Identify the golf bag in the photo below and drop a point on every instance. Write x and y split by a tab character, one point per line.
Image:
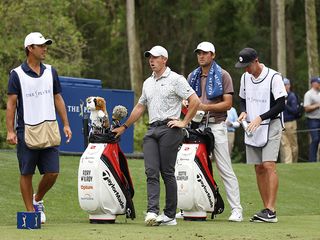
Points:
105	189
198	192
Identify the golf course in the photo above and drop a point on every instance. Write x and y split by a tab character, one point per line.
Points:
298	207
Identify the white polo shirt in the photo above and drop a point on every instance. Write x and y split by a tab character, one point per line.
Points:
163	96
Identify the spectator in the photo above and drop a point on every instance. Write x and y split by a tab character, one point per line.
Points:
232	124
311	105
289	141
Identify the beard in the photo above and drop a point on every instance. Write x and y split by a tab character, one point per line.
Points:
206	64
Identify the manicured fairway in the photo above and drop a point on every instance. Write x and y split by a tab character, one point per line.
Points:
298	208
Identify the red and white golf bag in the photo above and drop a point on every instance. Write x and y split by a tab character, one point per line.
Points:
198	192
105	189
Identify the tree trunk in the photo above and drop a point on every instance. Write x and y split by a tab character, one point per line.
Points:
273	31
135	64
278	36
281	38
311	38
291	74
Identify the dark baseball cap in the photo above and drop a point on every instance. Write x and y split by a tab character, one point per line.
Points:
315	79
246	56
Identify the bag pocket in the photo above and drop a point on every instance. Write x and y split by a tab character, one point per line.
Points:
43	135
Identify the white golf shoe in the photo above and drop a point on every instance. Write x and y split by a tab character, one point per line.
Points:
236	216
164	220
151	219
39	207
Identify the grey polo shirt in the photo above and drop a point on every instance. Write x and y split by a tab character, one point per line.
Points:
163	96
312	97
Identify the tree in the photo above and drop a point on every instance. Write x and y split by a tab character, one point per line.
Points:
103	24
312	38
134	50
278	36
290	43
22	17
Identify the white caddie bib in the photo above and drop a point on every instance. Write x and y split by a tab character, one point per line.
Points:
258	95
37	96
41	127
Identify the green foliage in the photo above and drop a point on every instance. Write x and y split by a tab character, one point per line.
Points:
3	131
51	19
140	129
90	37
229	24
103	25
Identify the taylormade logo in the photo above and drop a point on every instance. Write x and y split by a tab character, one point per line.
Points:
114	189
199	179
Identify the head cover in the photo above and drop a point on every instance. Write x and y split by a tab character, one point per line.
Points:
315	79
286	81
157	51
246	56
36	38
206	47
119	112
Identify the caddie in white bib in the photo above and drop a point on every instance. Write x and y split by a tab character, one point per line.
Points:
258	95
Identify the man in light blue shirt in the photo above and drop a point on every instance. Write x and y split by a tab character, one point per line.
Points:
232	124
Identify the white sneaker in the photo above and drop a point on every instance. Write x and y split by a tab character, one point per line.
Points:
236	216
151	219
163	220
39	207
179	215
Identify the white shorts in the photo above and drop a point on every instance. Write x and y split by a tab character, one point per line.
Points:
257	155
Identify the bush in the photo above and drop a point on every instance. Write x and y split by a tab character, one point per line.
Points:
3	131
140	129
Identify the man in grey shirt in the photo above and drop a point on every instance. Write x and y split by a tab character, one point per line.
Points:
311	105
162	95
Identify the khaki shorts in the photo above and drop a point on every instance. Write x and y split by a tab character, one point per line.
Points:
257	155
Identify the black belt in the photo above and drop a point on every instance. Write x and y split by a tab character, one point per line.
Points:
211	120
159	123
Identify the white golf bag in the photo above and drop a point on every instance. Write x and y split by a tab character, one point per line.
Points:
197	191
105	189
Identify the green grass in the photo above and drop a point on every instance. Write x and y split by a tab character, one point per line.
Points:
298	207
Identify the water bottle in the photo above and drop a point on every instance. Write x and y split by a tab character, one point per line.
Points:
245	125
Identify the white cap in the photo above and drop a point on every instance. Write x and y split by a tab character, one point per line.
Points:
36	38
156	51
206	47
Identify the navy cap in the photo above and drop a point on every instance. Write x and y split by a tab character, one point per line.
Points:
315	79
246	56
286	81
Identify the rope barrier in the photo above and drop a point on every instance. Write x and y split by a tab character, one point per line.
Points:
305	130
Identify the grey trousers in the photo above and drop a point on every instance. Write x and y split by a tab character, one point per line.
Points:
160	147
